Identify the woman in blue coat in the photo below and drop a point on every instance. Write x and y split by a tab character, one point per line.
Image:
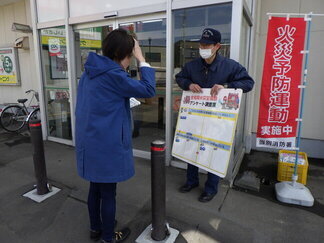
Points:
103	127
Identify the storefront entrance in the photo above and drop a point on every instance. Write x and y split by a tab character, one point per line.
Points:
168	35
149	116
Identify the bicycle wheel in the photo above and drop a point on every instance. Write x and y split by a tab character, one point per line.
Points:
34	115
13	118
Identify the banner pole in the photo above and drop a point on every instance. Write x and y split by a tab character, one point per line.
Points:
309	21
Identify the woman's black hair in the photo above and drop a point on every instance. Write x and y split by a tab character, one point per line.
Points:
117	45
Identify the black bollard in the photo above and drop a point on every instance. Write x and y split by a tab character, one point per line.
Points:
159	227
38	156
160	112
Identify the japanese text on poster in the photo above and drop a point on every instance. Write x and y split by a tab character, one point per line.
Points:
205	129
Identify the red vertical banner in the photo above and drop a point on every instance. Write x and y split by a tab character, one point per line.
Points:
282	70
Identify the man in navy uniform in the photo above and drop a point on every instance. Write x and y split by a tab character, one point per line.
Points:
210	70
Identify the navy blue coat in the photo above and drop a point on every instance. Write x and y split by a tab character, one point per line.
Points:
221	71
103	124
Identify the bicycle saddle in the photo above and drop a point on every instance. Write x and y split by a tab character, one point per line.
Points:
22	101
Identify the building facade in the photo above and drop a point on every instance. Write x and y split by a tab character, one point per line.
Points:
65	31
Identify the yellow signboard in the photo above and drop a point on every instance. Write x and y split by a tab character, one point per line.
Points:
8	79
45	39
84	43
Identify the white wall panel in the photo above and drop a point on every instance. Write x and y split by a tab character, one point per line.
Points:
50	10
17	12
86	7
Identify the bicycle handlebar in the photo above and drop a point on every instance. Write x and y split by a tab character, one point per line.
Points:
30	90
35	93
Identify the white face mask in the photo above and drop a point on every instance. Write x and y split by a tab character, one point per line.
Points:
205	53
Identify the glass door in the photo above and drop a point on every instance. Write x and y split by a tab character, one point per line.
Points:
149	117
56	85
187	29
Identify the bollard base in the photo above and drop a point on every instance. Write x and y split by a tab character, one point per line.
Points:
145	237
39	198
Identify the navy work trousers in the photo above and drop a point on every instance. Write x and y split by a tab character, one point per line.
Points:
211	185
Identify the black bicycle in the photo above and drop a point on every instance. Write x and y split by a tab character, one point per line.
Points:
15	116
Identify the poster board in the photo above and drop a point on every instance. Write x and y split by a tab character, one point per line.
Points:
9	67
206	128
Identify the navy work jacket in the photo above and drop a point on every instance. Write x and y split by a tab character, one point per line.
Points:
103	122
221	71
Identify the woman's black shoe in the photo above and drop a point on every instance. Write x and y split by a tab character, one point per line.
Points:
95	235
122	235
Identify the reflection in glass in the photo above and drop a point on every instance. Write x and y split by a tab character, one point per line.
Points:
86	41
149	117
55	76
187	32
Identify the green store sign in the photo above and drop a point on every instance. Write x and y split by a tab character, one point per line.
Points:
9	71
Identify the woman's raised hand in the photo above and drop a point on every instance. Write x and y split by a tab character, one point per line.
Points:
137	52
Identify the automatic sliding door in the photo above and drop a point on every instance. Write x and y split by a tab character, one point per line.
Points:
149	117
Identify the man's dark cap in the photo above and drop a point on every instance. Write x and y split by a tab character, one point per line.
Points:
210	36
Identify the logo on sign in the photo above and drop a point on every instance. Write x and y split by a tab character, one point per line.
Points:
7	64
54	46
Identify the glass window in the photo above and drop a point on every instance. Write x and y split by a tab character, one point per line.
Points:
187	32
55	78
49	10
188	26
190	17
86	41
